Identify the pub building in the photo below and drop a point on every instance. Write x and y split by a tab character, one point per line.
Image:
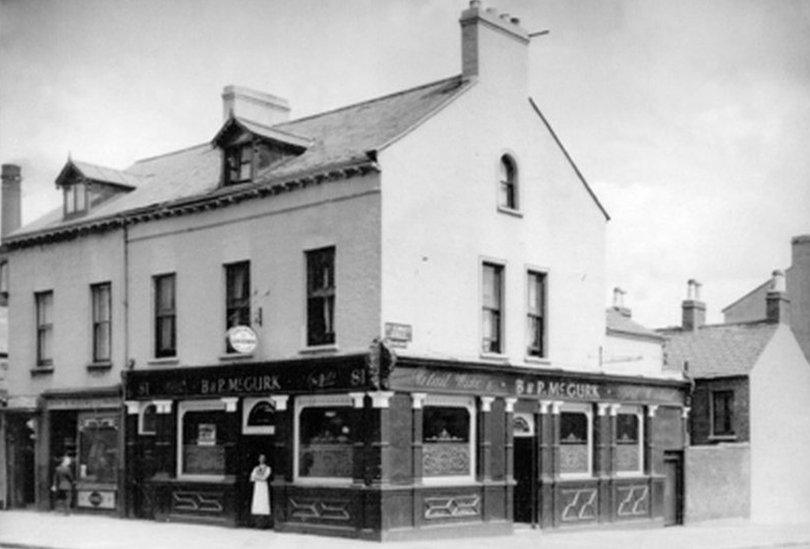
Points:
382	447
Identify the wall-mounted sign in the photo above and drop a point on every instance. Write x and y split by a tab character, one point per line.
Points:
95	499
243	339
206	434
398	335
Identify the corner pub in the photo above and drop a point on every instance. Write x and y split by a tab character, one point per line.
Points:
377	446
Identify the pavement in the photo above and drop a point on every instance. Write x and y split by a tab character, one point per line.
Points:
39	530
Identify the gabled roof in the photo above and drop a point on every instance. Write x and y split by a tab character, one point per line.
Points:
619	324
273	134
719	350
340	139
97	173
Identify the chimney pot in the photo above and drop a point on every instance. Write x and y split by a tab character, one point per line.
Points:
776	301
515	20
253	105
475	4
11	207
693	310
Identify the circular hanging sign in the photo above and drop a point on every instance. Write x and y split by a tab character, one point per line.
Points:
243	339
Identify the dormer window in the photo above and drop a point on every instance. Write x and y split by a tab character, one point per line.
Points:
75	198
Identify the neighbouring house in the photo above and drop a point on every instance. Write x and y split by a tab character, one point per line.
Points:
749	430
398	302
752	306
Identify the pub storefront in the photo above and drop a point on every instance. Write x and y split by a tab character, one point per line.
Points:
381	447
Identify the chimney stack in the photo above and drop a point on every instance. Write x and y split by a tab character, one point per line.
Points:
11	208
618	302
776	301
693	309
255	106
494	48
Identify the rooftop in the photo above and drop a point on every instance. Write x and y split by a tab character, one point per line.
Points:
620	324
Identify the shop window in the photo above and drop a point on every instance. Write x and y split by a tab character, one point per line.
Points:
98	448
258	416
325	435
629	441
508	190
492	308
448	435
576	441
44	305
204	445
147	420
536	315
722	413
321	296
165	316
237	300
102	331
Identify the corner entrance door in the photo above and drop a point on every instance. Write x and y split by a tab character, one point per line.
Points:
673	488
524	475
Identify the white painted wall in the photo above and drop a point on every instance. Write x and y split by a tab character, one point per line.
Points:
272	233
440	219
627	355
68	268
780	432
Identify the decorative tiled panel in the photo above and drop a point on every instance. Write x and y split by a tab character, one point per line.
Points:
446	458
573	458
578	504
304	509
452	506
192	501
633	500
627	457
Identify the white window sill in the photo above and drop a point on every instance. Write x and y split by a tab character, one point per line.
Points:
328	348
166	360
448	480
723	438
538	360
236	356
510	211
323	481
626	474
500	357
576	476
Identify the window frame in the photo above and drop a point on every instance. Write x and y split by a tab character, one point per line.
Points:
44	329
317	401
161	314
507	164
327	293
542	276
729	410
500	270
96	292
234	154
455	401
71	193
183	407
247	406
638	412
231	303
587	409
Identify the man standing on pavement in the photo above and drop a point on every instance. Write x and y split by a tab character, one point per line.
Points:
63	483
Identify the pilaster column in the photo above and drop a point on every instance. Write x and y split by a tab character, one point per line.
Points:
614	412
417	401
164	439
651	457
484	435
545	464
509	438
603	466
380	459
685	426
130	465
365	427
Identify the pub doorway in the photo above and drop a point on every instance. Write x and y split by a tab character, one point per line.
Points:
258	438
525	469
673	488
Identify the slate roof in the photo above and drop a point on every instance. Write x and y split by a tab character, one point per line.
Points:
718	350
339	137
620	324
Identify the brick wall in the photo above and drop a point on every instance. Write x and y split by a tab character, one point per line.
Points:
717	482
700	415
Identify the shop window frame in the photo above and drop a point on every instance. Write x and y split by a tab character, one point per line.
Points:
195	406
448	401
638	412
317	401
587	410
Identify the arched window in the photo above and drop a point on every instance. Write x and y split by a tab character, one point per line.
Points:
507	176
147	420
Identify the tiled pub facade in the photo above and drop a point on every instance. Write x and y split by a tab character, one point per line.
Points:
382	447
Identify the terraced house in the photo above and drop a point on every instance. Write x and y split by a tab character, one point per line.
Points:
399	302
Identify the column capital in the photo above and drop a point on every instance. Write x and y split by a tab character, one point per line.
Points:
418	400
133	406
163	406
486	403
602	408
357	399
556	407
614	409
509	403
651	409
230	403
685	412
380	399
544	406
279	402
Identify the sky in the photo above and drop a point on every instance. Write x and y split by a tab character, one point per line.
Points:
690	119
